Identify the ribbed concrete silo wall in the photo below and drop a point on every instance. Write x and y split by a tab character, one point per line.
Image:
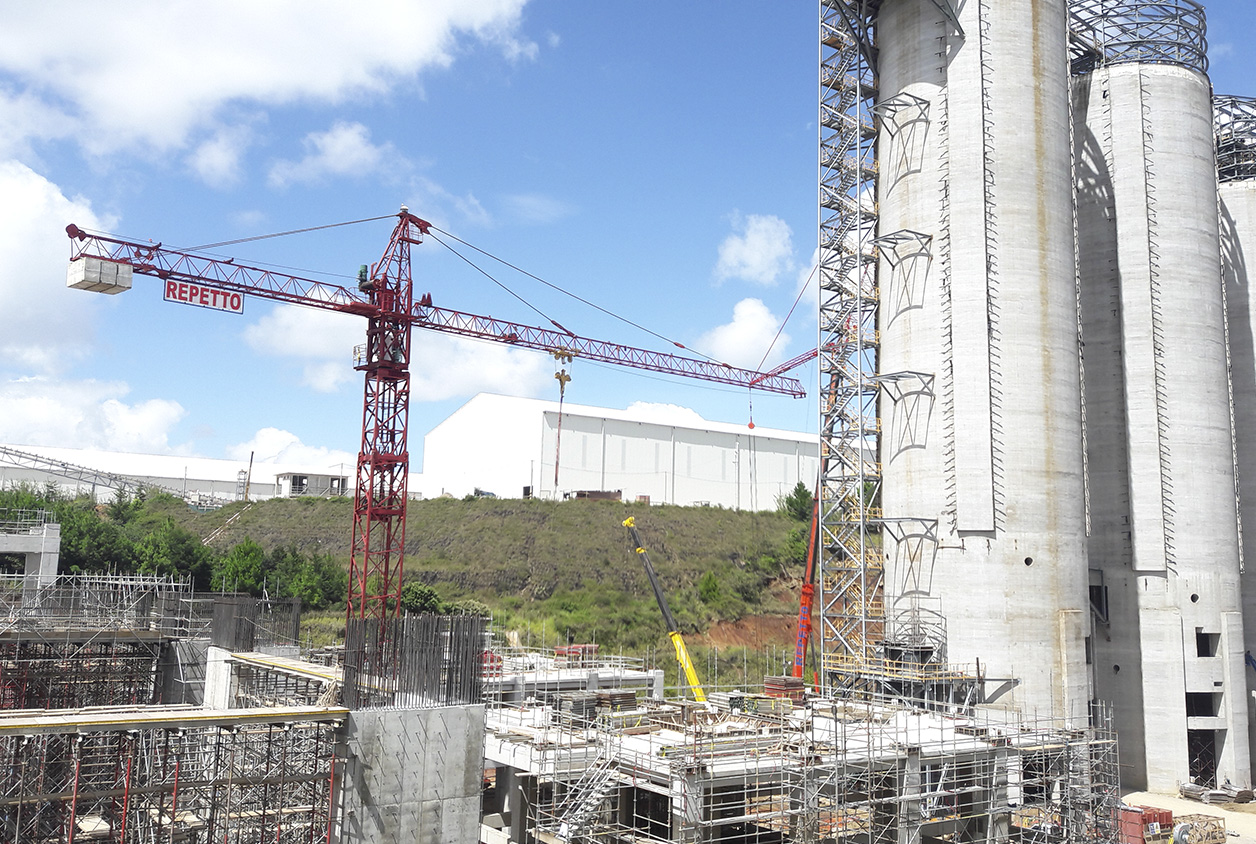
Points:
981	403
1238	251
1162	486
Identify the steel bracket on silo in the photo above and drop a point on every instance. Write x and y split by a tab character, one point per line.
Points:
915	542
905	119
912	394
908	255
948	12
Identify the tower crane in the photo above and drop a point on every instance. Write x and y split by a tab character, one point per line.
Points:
384	297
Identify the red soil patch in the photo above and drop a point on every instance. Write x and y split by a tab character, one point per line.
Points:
752	631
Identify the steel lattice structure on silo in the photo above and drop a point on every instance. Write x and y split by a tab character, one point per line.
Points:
951	422
852	566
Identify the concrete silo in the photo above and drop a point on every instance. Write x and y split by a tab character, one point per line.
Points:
1164	547
980	400
1236	168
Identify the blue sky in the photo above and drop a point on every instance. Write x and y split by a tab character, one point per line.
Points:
656	158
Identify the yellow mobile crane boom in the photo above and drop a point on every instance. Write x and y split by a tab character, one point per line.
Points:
682	653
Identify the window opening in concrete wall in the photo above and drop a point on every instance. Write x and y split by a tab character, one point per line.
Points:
1206	643
1202	704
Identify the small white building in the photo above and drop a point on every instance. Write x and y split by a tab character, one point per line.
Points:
293	484
511	447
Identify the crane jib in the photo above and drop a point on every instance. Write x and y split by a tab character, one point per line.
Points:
204	297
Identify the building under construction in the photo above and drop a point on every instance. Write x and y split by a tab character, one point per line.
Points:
136	712
1036	399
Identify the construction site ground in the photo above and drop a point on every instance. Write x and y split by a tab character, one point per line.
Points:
1240	818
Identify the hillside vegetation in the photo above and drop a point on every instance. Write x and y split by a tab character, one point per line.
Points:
547	570
565	565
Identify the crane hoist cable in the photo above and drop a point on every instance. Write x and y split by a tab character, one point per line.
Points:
673	631
772	345
578	298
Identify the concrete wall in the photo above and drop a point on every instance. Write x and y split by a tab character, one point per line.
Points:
413	776
41	548
994	457
1238	251
1164	536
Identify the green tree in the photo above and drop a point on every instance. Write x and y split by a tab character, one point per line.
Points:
798	504
124	508
243	569
169	549
419	597
709	588
318	580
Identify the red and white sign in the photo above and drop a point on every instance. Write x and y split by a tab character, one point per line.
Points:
204	297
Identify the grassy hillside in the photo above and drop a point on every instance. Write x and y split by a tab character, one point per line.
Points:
563	567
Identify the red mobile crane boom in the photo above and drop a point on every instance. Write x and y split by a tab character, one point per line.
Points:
385	297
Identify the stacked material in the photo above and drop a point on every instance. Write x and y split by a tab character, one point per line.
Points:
1224	794
615	700
575	708
1145	825
784	686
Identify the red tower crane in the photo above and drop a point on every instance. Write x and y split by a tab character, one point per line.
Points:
384	296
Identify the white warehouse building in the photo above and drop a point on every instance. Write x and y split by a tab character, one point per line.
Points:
668	455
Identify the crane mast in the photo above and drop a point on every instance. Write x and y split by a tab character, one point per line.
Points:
379	504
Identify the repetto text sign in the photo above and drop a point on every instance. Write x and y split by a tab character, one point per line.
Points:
204	297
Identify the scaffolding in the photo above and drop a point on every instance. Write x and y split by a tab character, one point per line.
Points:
167	774
852	566
132	603
1235	124
830	771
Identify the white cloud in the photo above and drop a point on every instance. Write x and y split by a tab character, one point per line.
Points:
810	275
343	150
85	414
217	160
446	367
273	445
117	90
442	366
759	250
46	325
536	208
434	199
24	117
743	341
323	340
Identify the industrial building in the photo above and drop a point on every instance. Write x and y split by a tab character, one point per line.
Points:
505	445
665	455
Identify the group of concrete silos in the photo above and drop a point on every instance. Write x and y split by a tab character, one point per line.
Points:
1071	455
